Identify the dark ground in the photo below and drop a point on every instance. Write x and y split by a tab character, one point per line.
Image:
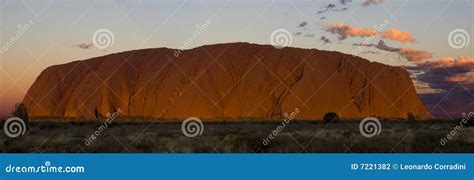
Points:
45	136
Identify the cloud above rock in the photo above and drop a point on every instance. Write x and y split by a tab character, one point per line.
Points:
372	2
84	45
446	72
397	35
453	79
344	30
325	40
414	55
410	54
344	2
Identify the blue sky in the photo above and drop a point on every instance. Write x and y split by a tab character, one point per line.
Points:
59	26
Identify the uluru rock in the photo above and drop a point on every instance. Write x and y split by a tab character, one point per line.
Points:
225	81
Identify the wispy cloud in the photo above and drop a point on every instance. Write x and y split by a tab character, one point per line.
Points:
414	55
467	78
344	2
84	45
397	35
327	8
446	72
303	24
410	54
461	61
381	45
325	40
370	52
372	2
344	31
333	6
453	79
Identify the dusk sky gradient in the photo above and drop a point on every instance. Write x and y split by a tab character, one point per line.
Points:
59	27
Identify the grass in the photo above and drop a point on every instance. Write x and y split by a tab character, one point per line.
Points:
55	136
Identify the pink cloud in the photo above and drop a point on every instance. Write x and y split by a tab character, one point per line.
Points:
414	55
397	35
344	30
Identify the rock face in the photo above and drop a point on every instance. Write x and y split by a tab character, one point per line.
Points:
225	81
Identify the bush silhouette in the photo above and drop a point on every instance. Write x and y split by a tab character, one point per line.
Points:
21	112
467	120
330	117
411	117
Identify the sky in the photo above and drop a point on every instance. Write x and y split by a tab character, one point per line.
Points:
430	38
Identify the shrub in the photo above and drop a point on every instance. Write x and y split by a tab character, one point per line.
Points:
330	117
21	112
467	120
410	117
